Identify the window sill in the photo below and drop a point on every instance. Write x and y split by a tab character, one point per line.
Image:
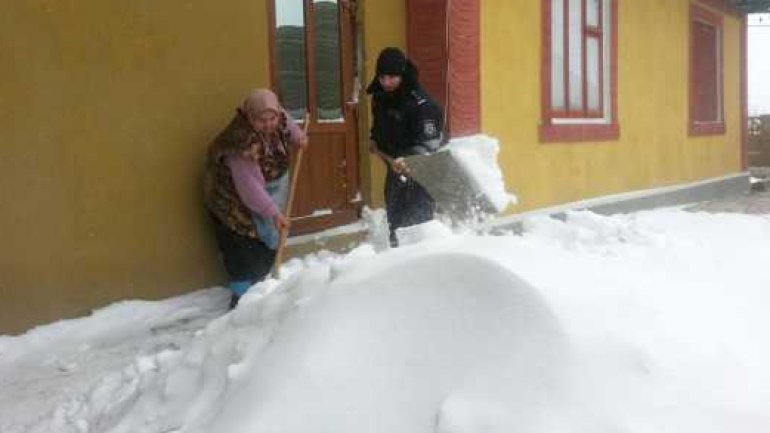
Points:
576	133
710	128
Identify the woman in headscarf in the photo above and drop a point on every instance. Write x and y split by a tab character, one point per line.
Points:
247	185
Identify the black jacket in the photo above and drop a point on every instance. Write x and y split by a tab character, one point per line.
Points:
406	122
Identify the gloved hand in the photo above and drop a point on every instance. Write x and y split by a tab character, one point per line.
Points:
399	166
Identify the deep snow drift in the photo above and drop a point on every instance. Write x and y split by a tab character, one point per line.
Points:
648	322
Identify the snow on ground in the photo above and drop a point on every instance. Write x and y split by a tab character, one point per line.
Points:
647	322
52	368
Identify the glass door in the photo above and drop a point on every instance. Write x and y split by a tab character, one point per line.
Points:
313	73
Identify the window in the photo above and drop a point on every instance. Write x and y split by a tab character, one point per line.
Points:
290	53
579	80
307	58
706	108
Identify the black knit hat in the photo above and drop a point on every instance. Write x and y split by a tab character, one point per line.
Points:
391	61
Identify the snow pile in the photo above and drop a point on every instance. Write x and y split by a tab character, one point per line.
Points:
647	322
431	230
477	155
378	343
74	362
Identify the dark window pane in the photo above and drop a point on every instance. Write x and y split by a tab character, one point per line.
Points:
290	56
706	72
327	60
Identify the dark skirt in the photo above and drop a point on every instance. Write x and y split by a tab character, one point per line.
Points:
244	258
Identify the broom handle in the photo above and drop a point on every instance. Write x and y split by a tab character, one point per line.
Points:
290	202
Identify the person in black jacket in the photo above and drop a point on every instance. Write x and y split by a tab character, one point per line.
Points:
406	121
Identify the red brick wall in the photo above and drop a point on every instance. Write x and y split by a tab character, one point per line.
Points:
448	57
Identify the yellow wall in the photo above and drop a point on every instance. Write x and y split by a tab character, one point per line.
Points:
654	148
106	109
384	25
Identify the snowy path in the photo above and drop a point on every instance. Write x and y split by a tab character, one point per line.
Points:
58	363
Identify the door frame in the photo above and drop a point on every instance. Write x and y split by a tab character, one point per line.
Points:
350	127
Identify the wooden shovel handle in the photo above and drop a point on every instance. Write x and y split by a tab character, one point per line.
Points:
290	201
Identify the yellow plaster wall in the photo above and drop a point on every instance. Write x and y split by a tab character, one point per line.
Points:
106	109
384	25
654	148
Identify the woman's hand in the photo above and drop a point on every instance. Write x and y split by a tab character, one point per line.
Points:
302	141
302	138
282	223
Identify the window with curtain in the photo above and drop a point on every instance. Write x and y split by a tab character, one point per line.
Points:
579	87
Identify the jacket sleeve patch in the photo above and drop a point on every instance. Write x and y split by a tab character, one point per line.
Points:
430	128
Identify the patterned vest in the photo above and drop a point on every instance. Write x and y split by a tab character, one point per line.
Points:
269	151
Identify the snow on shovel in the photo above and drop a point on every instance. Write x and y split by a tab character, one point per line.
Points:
463	177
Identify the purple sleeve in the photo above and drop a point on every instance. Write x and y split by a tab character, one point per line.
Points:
250	185
296	134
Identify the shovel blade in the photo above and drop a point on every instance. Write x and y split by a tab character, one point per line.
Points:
455	191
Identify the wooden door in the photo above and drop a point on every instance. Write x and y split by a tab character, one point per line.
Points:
313	74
